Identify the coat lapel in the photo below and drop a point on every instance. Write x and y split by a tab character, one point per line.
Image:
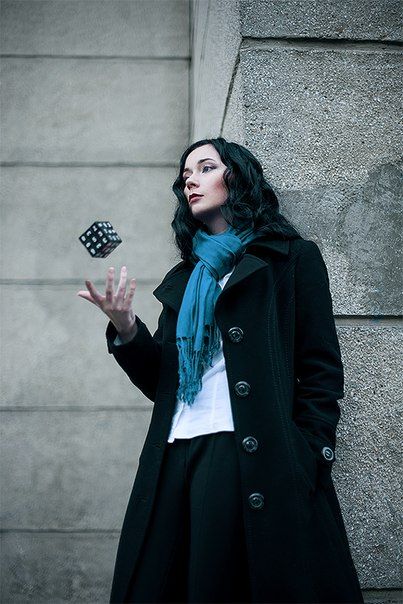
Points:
172	288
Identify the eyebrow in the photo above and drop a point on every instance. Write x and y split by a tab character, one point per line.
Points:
198	163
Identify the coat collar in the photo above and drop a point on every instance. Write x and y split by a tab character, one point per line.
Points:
172	288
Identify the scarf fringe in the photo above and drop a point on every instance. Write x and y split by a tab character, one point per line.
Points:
194	365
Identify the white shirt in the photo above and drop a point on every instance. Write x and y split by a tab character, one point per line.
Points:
211	410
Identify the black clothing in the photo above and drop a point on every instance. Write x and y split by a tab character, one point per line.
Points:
285	376
195	547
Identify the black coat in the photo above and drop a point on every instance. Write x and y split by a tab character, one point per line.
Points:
285	376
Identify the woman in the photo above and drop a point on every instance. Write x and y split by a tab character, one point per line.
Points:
233	500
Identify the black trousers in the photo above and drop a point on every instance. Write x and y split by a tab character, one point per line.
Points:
194	549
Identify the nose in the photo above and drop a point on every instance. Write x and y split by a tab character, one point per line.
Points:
191	181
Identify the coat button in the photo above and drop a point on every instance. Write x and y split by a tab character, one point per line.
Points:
235	334
256	501
250	444
242	388
328	453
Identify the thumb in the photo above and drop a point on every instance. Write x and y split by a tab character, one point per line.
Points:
87	296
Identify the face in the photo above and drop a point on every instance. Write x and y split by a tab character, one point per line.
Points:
203	175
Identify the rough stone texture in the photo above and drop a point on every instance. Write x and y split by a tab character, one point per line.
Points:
319	115
328	142
363	253
137	28
69	364
367	471
93	110
364	20
54	567
46	209
81	463
234	122
393	596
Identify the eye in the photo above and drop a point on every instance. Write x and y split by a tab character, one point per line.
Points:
186	177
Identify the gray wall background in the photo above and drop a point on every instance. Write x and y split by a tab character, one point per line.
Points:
95	114
99	99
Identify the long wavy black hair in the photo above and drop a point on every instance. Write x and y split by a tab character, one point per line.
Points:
251	200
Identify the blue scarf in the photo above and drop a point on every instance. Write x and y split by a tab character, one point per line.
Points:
197	334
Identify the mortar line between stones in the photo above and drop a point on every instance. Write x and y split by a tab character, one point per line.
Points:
75	408
12	55
253	43
81	164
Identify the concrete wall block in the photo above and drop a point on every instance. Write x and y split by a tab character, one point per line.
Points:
358	226
95	110
383	596
341	19
83	27
69	470
62	339
57	567
213	63
110	86
321	116
234	122
327	139
45	210
367	470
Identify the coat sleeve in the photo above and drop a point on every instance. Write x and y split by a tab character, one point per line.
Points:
140	358
318	364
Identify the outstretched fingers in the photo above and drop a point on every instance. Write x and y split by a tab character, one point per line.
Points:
130	295
110	277
121	291
114	306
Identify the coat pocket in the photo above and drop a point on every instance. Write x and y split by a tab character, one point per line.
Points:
306	459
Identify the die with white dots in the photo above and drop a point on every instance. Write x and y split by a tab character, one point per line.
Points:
100	239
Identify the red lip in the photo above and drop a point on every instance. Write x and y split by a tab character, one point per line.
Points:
193	197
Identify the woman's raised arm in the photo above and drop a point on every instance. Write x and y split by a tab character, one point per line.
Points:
139	352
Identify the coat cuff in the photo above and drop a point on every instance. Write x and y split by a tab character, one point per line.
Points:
113	342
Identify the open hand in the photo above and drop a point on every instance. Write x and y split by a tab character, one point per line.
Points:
116	306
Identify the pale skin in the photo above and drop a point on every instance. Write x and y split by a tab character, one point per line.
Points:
205	179
117	306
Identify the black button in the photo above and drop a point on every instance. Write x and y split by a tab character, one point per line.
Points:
235	334
242	388
256	501
328	453
250	444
